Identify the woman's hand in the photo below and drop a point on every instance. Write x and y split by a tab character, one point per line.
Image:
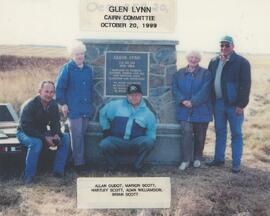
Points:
187	103
239	110
65	110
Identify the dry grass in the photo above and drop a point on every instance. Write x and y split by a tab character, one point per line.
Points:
196	192
20	76
202	192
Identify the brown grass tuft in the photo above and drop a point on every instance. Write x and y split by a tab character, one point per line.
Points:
8	63
9	198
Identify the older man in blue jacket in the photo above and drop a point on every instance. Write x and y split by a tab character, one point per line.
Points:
128	126
231	89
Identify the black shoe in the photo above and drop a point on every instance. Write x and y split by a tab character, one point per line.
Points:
27	180
236	169
139	171
58	175
110	169
215	163
81	170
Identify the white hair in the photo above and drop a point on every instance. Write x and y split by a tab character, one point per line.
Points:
75	46
195	53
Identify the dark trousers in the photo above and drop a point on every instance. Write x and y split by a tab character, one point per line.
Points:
193	140
113	147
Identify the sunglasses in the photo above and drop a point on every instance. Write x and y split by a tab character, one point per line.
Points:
225	45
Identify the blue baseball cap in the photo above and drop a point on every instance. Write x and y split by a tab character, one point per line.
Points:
227	38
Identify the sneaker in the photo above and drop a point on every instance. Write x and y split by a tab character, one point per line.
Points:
183	165
58	175
215	163
236	169
197	164
28	180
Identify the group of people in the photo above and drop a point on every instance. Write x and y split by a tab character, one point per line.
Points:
128	125
221	91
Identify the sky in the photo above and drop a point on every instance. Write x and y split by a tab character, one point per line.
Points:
200	24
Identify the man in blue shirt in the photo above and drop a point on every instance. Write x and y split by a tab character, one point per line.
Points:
231	90
128	126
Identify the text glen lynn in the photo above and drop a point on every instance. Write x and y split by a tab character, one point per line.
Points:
134	9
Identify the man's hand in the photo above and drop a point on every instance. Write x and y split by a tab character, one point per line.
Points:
187	103
239	110
65	110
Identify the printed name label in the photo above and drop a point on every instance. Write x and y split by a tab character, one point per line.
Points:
126	192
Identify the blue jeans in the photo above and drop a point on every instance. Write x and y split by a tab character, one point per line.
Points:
112	146
224	114
34	147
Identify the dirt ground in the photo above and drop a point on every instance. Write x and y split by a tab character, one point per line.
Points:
195	192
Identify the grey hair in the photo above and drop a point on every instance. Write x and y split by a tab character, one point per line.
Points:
195	53
75	45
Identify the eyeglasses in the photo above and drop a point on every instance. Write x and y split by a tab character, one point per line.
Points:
225	45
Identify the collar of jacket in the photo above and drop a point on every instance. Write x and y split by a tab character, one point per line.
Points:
193	72
231	58
73	64
38	98
141	105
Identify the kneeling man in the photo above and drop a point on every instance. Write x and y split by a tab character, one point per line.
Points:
128	126
40	125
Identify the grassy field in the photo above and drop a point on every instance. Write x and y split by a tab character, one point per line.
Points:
204	191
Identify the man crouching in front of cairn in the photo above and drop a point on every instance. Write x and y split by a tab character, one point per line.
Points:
37	115
128	127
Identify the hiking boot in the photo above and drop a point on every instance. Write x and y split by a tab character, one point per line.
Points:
81	170
236	169
28	180
215	163
58	175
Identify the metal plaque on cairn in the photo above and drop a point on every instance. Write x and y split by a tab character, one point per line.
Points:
123	69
